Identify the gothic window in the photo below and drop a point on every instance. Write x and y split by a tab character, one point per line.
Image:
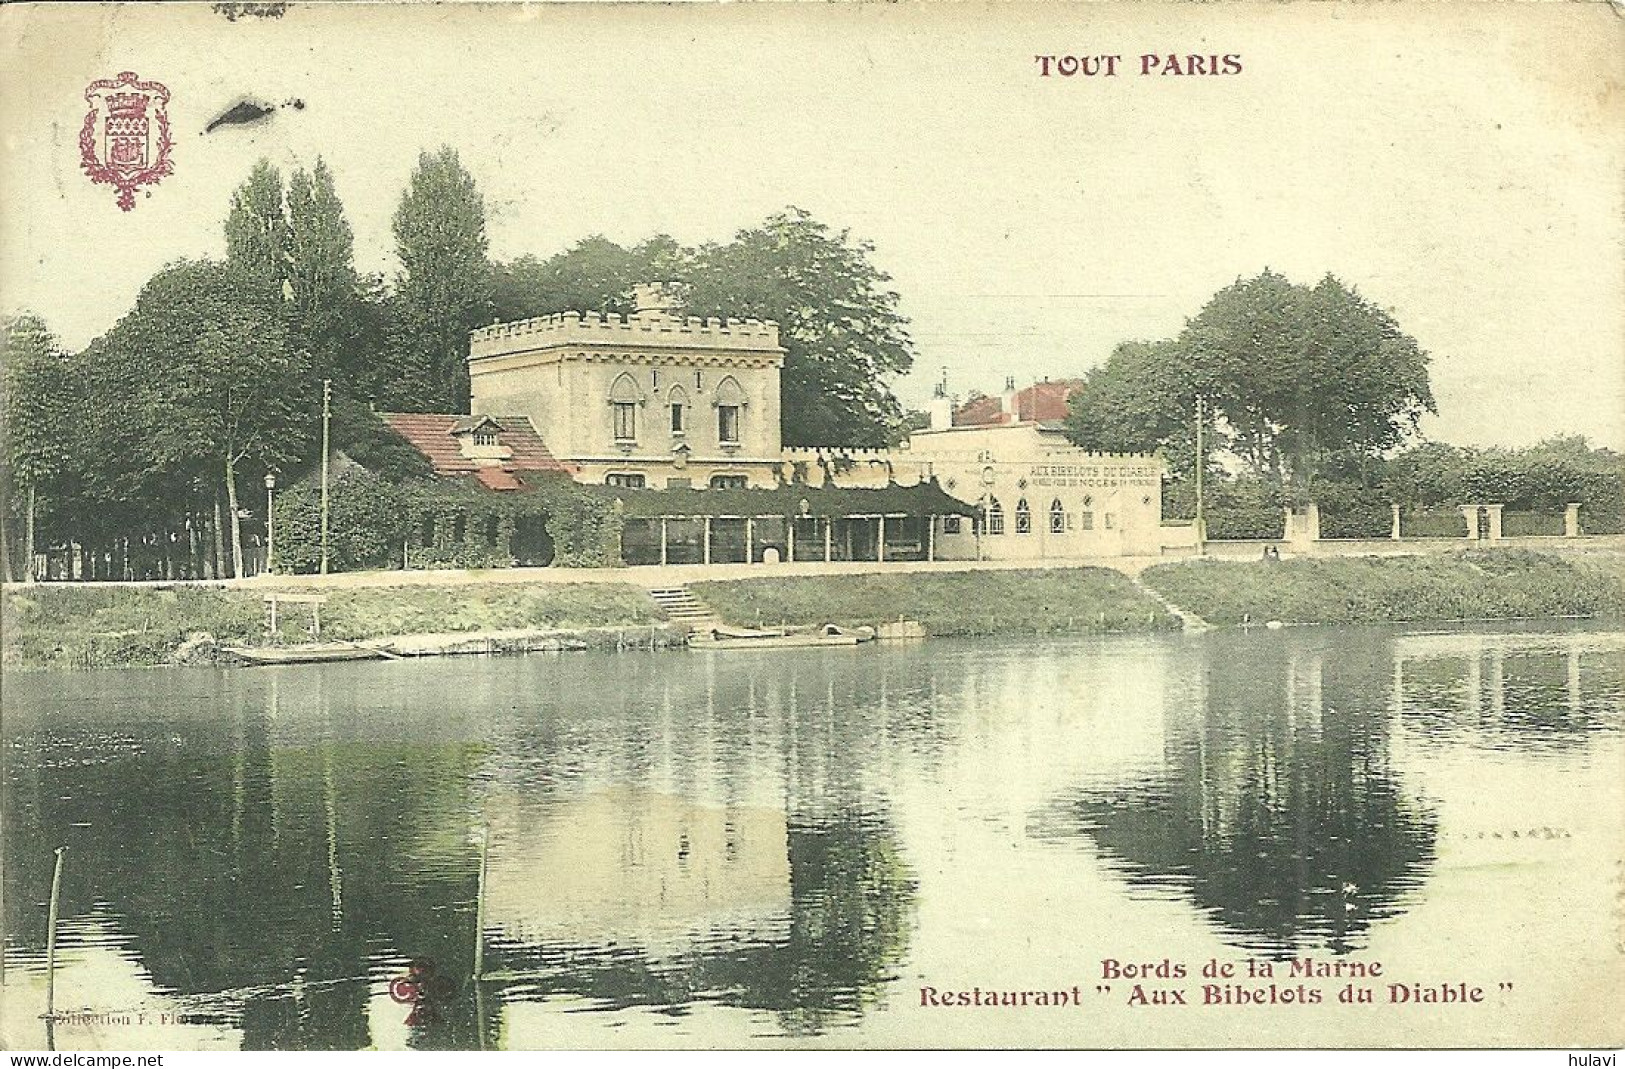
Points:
626	421
1057	517
627	480
730	409
677	408
1024	518
624	398
995	517
727	482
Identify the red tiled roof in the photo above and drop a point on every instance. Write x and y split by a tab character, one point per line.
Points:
1045	401
980	412
1042	402
430	433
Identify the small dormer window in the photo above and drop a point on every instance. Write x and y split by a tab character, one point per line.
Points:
485	437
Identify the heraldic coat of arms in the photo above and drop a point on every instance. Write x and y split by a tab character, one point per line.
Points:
125	140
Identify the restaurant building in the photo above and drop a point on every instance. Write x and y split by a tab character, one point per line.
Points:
677	419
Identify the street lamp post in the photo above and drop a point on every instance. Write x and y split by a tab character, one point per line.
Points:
270	522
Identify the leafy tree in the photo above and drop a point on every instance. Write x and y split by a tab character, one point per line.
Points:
1143	398
38	424
327	317
233	388
837	319
1305	376
257	240
1300	383
594	275
445	282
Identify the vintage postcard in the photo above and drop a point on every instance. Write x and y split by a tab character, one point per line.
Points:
578	526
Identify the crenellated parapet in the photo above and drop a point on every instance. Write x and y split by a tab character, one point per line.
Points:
813	452
638	329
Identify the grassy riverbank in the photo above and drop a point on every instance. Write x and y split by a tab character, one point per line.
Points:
1471	585
1048	601
90	626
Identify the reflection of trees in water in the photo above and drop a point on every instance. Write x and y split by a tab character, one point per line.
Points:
259	875
1276	812
268	868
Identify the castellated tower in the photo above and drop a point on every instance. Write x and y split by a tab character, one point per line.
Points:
651	399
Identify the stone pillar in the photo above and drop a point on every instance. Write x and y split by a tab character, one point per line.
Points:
1495	521
829	537
930	538
1312	523
708	540
1571	520
1393	528
790	540
750	540
1470	514
662	540
880	538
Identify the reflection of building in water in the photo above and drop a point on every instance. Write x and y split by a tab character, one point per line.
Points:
632	866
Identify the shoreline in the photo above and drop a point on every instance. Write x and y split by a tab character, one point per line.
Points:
80	626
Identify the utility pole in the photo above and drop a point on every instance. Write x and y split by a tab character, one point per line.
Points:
1201	462
327	415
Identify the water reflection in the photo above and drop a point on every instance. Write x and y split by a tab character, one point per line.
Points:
262	853
293	858
1279	812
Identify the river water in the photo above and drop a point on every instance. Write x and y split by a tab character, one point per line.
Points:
820	847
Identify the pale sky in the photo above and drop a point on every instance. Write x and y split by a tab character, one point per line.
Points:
1461	164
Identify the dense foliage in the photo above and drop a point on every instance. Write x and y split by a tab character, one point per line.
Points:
843	336
374	522
1298	383
149	448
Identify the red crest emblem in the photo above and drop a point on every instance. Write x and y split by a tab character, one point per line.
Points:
125	140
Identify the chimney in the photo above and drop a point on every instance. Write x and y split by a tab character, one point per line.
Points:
941	407
654	298
1007	404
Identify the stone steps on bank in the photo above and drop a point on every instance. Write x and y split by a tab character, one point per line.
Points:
684	609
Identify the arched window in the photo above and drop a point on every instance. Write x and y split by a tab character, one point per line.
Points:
995	517
677	408
1024	518
730	410
1057	517
624	399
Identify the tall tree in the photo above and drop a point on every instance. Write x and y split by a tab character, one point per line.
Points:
445	282
593	275
233	389
1143	398
838	321
1306	376
257	230
321	274
38	425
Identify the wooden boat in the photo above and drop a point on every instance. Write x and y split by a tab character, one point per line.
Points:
307	653
744	638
